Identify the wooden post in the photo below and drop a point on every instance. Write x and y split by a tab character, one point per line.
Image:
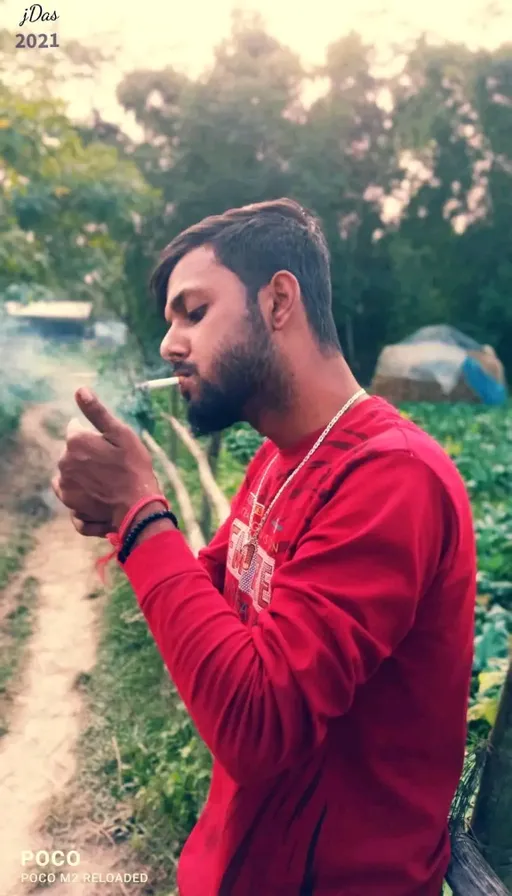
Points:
173	441
192	528
492	818
469	874
218	500
212	456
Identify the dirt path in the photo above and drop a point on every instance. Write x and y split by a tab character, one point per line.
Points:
37	755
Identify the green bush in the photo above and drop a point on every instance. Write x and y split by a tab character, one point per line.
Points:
242	442
14	395
9	420
478	438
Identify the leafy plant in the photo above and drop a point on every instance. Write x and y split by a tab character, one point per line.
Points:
242	442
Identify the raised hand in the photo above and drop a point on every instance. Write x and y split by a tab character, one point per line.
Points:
102	474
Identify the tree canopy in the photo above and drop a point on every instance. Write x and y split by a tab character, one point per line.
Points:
411	174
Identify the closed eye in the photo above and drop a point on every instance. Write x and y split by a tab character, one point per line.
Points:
197	314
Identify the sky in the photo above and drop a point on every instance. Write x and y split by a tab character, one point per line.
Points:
153	33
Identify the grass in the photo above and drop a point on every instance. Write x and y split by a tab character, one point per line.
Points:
9	420
13	553
16	623
140	756
15	629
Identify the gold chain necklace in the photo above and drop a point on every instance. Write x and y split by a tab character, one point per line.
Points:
249	550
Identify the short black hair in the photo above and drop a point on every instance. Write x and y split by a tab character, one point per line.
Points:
255	241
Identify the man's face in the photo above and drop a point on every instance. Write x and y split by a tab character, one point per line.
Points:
220	346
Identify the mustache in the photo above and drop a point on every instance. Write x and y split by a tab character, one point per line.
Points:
184	369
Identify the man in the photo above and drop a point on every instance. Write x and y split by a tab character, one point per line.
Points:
322	643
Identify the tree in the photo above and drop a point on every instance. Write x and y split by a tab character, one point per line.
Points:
225	139
243	133
341	166
39	74
436	138
70	212
452	261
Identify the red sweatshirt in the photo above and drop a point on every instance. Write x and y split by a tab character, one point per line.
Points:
333	692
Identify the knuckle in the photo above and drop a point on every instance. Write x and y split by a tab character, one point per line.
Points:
79	444
74	439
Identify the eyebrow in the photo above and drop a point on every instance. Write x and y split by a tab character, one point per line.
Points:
178	301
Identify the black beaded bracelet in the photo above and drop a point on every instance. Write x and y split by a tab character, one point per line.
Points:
134	533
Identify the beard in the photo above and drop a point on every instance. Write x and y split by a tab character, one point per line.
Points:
248	378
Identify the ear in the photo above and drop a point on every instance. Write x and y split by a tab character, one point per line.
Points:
283	298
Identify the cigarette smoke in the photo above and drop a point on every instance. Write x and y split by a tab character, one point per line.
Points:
37	369
24	365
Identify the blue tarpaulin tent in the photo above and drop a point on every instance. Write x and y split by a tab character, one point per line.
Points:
444	360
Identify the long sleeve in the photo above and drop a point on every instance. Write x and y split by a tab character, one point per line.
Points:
261	697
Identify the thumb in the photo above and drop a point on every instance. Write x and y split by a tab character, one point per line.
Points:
97	414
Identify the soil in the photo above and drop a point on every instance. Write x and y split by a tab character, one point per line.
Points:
38	753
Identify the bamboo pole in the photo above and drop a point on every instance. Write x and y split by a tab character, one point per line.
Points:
216	497
491	824
469	874
173	405
193	531
212	456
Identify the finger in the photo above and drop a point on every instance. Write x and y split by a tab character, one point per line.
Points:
90	529
90	518
63	498
96	511
97	414
56	487
80	446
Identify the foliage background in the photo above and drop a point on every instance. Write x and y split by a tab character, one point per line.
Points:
410	173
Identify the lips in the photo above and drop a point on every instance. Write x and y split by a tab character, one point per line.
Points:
183	381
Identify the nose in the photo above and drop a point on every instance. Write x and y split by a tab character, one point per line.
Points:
172	348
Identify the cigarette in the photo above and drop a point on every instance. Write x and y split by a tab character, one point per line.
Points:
164	383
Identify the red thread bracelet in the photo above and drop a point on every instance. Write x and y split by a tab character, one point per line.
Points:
116	538
132	513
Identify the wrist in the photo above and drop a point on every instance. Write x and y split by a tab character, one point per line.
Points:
152	528
124	514
147	510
